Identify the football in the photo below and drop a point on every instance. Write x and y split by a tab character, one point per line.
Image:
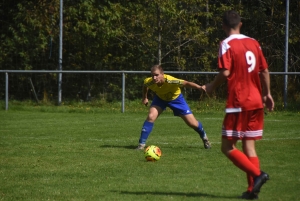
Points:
152	153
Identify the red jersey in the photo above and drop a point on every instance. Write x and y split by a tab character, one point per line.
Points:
243	57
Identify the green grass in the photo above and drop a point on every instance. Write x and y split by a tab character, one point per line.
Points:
80	152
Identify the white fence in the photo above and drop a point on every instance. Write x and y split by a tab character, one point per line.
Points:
7	72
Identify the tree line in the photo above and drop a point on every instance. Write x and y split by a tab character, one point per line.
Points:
134	35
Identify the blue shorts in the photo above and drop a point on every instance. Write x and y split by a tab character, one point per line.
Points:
178	106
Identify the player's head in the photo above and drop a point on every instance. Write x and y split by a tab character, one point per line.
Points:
157	67
231	21
157	73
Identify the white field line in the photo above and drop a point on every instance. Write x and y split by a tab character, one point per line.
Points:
216	118
269	120
266	139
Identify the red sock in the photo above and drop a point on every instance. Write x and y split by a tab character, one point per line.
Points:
255	162
240	160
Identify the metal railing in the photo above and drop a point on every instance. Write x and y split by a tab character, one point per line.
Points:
115	72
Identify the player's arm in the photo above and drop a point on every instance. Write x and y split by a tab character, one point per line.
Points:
145	93
192	85
266	92
218	80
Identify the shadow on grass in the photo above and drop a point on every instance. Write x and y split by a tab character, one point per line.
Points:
176	194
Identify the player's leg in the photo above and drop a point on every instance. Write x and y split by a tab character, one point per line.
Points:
192	122
237	157
254	132
249	150
240	160
234	129
181	108
147	127
155	110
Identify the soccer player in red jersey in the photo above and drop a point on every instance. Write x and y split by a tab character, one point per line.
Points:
242	64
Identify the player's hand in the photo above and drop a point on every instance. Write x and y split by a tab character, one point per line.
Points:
268	102
145	101
207	88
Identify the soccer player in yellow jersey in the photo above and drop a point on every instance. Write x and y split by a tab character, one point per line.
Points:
168	94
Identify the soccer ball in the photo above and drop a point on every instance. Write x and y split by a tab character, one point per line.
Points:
152	153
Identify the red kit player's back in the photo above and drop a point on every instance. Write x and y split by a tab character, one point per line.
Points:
243	57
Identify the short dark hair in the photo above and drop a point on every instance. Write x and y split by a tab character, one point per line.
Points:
231	19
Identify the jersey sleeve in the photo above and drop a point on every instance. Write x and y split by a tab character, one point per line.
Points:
148	81
224	58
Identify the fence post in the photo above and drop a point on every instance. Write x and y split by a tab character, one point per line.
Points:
286	53
6	91
123	92
60	51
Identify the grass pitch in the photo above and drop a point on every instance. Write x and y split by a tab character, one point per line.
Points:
59	153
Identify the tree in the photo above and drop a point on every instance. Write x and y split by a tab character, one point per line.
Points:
126	35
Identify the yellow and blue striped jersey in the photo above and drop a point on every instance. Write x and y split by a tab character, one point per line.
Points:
170	89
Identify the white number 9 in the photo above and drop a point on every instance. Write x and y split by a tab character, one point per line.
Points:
251	60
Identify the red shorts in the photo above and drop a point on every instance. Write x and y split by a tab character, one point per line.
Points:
243	125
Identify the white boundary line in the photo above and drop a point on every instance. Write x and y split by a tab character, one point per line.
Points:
216	118
116	140
267	139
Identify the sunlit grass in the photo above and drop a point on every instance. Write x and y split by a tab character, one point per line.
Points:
84	152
